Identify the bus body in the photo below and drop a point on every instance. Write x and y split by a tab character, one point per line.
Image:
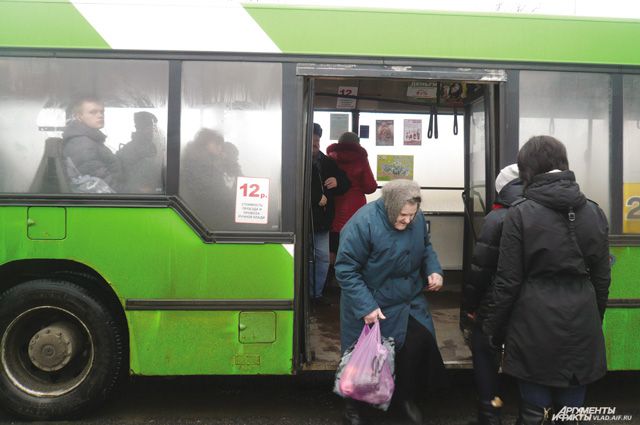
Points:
170	280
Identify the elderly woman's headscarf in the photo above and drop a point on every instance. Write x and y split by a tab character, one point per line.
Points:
396	194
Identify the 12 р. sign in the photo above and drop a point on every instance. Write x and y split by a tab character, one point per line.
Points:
252	200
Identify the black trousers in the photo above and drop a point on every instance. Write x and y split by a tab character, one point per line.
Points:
418	363
486	363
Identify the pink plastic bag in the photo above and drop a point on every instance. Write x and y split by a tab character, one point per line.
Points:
366	373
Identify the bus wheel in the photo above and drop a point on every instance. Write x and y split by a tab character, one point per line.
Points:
61	350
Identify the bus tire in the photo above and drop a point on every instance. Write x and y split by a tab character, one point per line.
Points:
61	350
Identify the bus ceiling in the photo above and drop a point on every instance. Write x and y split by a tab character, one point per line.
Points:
398	88
479	75
395	95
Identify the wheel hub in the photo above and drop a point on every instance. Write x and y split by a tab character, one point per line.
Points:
51	348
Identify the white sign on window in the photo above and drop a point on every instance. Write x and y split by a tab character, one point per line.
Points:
252	200
345	102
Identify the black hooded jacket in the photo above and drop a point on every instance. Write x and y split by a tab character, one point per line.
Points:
552	285
485	253
324	167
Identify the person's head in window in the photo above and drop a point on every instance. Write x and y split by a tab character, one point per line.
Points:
349	137
401	201
539	155
317	134
210	141
145	123
89	111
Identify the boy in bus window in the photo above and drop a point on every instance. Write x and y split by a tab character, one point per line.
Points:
92	167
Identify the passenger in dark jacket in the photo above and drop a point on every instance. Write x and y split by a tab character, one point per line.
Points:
327	181
385	262
83	145
142	161
476	299
202	180
551	285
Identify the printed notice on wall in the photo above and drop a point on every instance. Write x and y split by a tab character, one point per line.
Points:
252	200
384	132
391	167
338	124
413	132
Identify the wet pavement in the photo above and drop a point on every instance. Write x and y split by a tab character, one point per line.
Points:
307	399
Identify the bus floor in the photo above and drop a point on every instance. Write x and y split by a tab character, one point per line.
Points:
324	326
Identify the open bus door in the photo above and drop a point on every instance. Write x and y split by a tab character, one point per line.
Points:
387	94
304	302
480	160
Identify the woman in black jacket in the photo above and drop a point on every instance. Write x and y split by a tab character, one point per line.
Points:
551	285
476	296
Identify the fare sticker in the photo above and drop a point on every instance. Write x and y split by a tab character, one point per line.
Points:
252	200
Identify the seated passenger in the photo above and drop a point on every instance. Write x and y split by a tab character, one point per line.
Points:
230	163
202	182
141	158
91	166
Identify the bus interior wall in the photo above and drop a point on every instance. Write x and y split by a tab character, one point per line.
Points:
415	130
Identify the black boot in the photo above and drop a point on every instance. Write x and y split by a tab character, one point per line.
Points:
352	414
411	411
488	414
534	415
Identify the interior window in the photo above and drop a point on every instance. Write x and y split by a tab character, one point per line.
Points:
82	125
478	153
231	141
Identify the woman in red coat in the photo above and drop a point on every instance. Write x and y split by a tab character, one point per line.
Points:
352	159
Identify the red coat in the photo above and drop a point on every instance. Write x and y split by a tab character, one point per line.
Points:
352	159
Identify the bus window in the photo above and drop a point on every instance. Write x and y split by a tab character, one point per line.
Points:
631	149
43	100
231	138
574	108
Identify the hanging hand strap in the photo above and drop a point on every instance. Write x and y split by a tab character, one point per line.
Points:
430	130
455	121
435	122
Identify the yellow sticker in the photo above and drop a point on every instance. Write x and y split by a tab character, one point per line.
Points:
631	208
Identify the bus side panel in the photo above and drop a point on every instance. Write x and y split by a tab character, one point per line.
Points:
151	254
621	323
206	342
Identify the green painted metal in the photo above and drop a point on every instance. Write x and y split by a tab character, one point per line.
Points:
36	23
151	253
205	342
621	324
257	326
46	223
445	35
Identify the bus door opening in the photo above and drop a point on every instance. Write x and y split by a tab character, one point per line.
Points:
432	132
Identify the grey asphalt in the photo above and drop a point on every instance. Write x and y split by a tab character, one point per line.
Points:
307	399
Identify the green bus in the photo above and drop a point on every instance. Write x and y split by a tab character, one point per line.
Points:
180	270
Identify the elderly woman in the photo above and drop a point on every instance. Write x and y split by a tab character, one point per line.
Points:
551	285
384	263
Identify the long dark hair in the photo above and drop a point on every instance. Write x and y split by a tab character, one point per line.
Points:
539	155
